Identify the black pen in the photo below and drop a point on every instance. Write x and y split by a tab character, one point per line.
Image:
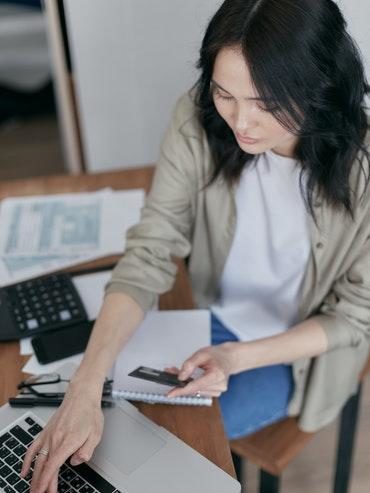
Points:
44	402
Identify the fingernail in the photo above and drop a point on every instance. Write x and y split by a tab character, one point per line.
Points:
75	462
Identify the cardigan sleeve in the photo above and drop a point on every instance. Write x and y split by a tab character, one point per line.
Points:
345	312
146	268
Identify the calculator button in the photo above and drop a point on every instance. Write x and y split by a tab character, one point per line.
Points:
40	303
32	324
65	315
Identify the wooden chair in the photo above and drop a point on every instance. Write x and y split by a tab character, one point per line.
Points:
273	448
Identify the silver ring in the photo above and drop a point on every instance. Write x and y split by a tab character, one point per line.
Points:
43	451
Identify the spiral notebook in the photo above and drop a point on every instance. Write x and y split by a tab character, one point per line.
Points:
164	339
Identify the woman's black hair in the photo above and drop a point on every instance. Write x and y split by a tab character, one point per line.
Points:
309	74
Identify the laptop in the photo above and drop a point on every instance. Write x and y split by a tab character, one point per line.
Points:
134	456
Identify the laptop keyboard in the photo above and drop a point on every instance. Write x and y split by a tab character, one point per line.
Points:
13	446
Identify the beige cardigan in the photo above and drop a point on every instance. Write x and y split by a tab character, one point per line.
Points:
183	218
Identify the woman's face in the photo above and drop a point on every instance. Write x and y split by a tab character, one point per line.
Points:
255	129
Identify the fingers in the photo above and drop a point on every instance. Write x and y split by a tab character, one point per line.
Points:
38	467
53	487
173	369
196	360
84	453
28	458
208	384
47	468
204	393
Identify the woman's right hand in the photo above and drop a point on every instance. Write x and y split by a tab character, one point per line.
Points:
73	431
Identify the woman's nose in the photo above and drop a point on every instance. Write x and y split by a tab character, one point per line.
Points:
244	120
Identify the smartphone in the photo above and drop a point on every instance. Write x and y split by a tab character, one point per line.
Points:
158	376
59	344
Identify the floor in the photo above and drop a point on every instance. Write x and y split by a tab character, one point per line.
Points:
32	148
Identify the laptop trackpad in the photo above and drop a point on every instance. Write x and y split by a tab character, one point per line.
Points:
127	443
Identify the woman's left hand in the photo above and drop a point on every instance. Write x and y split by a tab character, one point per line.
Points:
216	361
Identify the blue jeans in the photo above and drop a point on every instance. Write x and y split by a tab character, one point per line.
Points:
254	398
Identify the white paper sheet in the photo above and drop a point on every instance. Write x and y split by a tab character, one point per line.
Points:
63	224
164	339
91	289
92	224
25	347
34	367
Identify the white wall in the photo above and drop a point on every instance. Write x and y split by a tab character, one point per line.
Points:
357	14
132	59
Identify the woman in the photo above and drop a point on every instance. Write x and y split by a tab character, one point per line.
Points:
262	184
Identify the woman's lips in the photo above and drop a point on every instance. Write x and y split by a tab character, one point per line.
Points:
246	140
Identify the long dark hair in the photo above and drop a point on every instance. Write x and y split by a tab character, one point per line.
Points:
310	75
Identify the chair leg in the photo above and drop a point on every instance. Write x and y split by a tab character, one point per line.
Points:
238	465
269	483
347	431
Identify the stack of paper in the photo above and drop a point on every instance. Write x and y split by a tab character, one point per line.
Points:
41	234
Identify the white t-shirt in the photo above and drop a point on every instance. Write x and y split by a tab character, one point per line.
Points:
263	273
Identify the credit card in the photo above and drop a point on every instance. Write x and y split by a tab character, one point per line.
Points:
162	377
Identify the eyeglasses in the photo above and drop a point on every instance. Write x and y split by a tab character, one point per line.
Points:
28	386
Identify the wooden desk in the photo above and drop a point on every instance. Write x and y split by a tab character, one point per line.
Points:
201	427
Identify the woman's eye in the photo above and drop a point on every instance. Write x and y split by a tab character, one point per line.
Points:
269	108
223	96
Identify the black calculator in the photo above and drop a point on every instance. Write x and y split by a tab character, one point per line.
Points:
41	304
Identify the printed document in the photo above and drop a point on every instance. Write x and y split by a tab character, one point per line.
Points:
41	234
